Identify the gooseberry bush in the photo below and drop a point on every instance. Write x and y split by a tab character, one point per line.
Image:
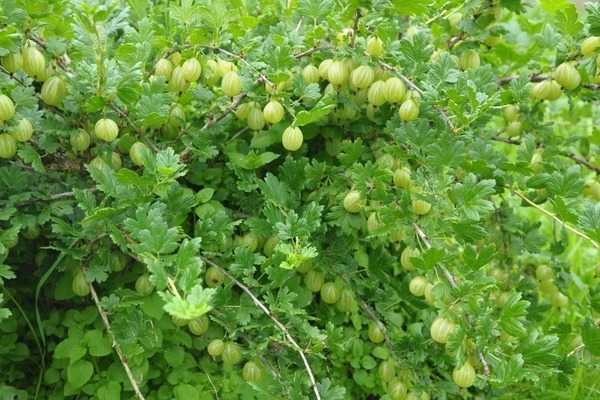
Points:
299	199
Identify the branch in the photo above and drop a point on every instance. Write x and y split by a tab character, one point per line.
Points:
373	316
554	217
452	280
137	130
313	50
357	16
261	77
577	159
281	327
116	346
582	161
13	76
418	90
60	60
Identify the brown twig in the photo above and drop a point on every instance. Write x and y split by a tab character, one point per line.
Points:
115	344
137	130
452	280
281	327
13	76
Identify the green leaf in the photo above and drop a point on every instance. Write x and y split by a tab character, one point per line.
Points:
567	20
472	197
476	258
410	7
590	333
98	344
538	350
194	305
512	311
317	113
329	392
315	9
31	156
129	88
567	183
109	391
593	18
80	372
589	220
429	258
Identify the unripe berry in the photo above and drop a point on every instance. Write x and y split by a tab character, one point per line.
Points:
255	119
292	138
310	74
409	110
469	60
54	91
24	131
375	46
376	93
567	76
12	62
231	85
7	108
273	112
589	46
353	203
34	62
337	74
511	113
8	146
191	70
394	90
163	68
514	128
362	77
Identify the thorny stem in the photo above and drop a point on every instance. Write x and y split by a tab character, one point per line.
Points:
373	316
555	218
261	77
313	50
281	327
577	159
452	280
13	76
418	90
137	130
115	345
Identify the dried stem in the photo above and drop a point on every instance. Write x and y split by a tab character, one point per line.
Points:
281	327
452	280
555	218
115	345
